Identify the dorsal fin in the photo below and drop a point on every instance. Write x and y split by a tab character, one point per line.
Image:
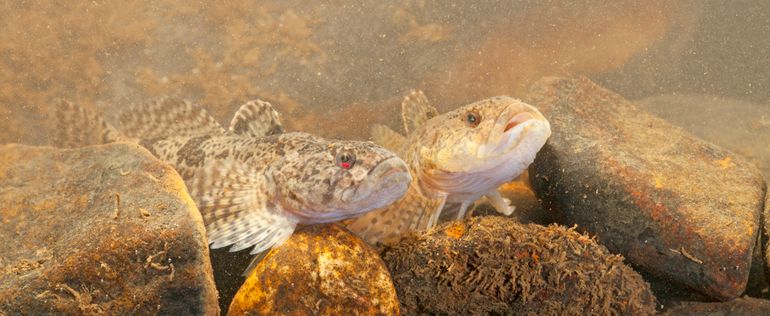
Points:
256	118
168	117
388	138
236	208
416	110
77	127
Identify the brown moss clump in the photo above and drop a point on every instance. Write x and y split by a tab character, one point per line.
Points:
494	265
320	270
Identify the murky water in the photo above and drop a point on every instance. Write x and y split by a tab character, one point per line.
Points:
335	68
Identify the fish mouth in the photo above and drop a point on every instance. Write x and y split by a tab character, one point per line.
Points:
518	119
385	183
506	133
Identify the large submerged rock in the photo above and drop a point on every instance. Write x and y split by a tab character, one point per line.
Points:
740	126
672	204
99	230
320	270
494	265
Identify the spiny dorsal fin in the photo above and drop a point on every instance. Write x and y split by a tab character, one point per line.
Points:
388	138
77	127
235	206
416	110
256	118
168	117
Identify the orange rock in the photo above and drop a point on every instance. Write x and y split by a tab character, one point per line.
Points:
320	270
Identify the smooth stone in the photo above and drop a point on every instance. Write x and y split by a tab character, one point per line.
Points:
319	270
495	265
674	205
99	230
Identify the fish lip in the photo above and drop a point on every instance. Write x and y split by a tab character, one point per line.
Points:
500	136
518	119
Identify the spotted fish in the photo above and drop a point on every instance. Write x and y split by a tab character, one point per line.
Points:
455	158
254	183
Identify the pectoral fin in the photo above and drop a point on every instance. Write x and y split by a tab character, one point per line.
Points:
236	208
501	204
256	118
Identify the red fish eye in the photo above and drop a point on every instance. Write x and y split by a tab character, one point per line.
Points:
472	118
346	159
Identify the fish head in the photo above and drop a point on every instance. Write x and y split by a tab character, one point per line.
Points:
484	143
334	180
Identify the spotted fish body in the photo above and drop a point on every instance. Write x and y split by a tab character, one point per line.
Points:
253	183
455	158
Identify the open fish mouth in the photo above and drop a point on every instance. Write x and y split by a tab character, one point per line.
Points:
385	183
518	119
506	134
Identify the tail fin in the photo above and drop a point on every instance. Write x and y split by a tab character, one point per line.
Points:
77	127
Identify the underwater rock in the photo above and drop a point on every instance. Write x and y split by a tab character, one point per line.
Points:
740	126
494	265
744	306
99	230
319	270
672	204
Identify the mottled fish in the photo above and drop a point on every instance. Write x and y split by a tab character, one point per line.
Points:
455	158
253	183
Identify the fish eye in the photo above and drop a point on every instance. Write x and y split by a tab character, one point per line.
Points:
346	159
472	118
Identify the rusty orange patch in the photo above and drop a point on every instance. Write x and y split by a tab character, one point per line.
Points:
455	230
725	163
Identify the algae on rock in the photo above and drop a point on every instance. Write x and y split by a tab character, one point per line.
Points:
494	265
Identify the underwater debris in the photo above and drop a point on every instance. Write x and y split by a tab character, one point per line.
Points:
644	190
117	206
93	261
739	306
319	270
494	265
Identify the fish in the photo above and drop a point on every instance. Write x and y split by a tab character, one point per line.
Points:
253	182
455	159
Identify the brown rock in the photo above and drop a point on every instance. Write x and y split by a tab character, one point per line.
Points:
494	265
320	270
740	126
672	204
99	230
745	306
